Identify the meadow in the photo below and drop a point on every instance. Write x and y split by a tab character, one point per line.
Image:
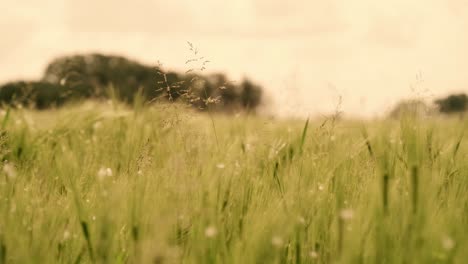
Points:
106	183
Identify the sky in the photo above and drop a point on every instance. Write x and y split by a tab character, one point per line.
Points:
305	53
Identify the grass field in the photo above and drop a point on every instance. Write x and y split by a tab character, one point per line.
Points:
97	183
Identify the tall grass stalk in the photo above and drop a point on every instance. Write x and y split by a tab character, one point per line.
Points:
95	183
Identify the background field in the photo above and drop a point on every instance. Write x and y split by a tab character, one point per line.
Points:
104	183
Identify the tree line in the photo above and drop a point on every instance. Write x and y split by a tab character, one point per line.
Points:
451	104
98	76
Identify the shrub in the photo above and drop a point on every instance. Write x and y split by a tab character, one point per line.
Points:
453	103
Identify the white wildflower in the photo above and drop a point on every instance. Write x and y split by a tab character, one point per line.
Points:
277	241
101	174
448	243
313	254
346	214
220	166
66	235
97	125
301	220
248	147
211	231
9	170
321	187
104	173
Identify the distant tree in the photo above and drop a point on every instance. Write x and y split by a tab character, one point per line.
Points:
39	95
453	103
229	96
410	107
90	75
251	94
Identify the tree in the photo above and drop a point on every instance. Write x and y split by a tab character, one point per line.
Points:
453	103
410	107
89	76
39	95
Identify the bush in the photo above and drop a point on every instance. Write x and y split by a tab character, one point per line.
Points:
453	103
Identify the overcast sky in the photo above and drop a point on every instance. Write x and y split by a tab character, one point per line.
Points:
306	53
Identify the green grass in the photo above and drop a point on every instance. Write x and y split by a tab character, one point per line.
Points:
100	184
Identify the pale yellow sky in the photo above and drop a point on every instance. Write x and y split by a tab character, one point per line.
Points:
305	53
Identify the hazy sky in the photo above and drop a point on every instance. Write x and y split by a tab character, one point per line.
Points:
306	53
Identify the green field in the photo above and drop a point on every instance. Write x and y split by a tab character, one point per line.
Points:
98	183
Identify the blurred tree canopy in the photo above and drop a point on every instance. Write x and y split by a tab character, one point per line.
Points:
80	77
411	107
36	94
453	103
